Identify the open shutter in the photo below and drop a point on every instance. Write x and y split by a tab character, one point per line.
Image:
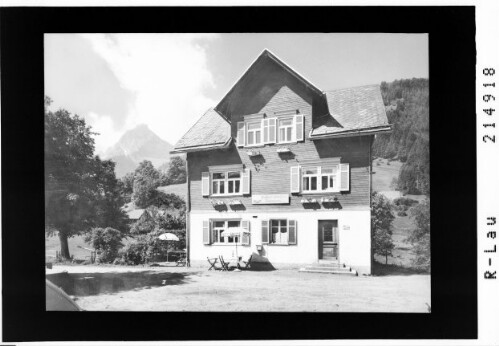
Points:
299	124
265	125
246	181
344	177
272	130
292	232
206	232
265	231
241	134
245	225
295	179
205	182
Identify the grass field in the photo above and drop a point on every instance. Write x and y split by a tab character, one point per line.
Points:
383	175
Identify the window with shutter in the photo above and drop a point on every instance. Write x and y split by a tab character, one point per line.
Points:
205	182
265	231
241	134
299	122
344	177
295	179
293	230
206	232
246	181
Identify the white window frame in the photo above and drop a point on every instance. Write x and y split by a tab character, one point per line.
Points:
279	226
253	132
225	227
292	127
319	176
226	183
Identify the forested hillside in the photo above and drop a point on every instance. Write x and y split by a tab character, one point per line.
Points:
407	108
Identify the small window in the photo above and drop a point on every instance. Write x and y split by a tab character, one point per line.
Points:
285	130
254	136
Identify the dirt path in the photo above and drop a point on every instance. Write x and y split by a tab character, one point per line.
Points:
195	289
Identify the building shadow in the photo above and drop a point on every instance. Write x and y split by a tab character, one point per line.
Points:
238	207
332	205
85	284
260	263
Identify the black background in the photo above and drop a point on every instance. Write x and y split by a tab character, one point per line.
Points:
453	176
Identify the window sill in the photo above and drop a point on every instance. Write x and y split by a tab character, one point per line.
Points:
226	244
281	244
235	195
318	192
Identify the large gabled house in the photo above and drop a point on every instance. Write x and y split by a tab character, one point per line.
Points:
289	164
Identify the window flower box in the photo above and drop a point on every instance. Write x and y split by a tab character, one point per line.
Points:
308	200
327	200
283	150
216	202
253	153
235	202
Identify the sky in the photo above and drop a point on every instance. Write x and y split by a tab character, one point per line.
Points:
167	81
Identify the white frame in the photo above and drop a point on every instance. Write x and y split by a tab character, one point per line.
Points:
226	226
226	183
292	127
248	131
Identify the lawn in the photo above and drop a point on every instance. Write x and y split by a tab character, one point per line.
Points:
108	288
402	225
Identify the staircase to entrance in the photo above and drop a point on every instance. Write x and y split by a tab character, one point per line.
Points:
329	267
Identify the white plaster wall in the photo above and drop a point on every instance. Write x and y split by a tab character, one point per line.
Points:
355	243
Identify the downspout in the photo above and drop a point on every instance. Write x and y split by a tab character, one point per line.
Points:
188	214
370	196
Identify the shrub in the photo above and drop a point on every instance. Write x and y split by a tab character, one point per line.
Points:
143	249
378	164
420	236
388	163
409	202
106	241
401	213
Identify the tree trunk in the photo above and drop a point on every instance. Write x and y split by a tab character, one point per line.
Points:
63	239
386	258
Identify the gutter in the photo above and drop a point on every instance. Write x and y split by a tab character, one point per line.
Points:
351	133
202	147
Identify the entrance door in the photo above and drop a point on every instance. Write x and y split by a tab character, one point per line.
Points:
328	240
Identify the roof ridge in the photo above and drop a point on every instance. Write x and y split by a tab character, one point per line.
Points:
355	87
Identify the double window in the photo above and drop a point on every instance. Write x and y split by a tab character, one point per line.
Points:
226	183
331	177
225	225
279	232
232	180
320	179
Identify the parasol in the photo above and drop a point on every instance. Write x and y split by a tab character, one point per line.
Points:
168	236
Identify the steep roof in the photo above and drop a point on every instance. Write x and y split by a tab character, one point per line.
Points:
352	110
211	130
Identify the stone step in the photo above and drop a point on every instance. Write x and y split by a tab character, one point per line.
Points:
335	265
315	267
337	272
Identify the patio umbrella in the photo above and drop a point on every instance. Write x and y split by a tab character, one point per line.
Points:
168	236
234	232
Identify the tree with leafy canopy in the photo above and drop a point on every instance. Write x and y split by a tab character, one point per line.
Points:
146	181
381	225
80	190
126	186
177	170
420	236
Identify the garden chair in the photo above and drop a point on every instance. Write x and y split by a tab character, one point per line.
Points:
247	263
225	265
213	264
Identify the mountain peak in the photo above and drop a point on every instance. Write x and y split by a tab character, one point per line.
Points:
136	145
